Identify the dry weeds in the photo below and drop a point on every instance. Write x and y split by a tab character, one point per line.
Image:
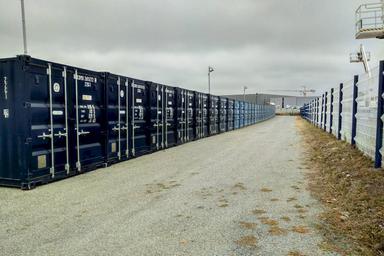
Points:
300	229
249	241
350	188
295	253
239	186
270	222
277	231
247	225
258	212
286	218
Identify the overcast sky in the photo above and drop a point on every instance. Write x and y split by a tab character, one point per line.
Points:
263	44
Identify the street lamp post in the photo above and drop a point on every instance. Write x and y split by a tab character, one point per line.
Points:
24	27
245	88
210	70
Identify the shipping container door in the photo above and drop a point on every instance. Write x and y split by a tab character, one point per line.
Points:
223	115
139	117
230	115
89	129
198	116
170	131
190	115
50	146
236	115
214	115
241	114
181	98
201	115
205	115
156	128
117	95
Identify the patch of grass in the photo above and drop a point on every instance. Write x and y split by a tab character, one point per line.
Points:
249	241
302	210
240	186
274	199
291	199
247	225
350	188
270	222
300	229
295	253
277	231
286	218
266	190
258	212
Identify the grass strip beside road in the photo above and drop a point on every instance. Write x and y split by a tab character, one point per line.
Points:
351	190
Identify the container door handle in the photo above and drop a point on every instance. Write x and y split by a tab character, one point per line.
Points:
49	73
45	136
82	133
59	134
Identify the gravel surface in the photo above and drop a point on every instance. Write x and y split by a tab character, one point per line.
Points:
239	193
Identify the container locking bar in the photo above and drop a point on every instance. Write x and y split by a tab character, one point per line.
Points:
67	166
133	118
78	134
162	117
157	116
49	72
119	116
126	118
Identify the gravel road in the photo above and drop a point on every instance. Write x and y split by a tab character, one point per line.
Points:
239	193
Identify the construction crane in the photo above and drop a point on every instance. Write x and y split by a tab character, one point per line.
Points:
303	91
370	21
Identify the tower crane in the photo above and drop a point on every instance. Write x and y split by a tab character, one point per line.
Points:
303	91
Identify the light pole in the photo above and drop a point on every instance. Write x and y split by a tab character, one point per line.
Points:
245	88
24	27
210	70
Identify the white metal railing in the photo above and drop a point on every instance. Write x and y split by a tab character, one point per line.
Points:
369	17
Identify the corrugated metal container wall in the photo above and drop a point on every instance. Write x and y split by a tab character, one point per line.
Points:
213	114
117	116
230	112
162	128
223	118
242	116
201	115
170	118
185	103
236	115
42	123
57	121
246	113
140	117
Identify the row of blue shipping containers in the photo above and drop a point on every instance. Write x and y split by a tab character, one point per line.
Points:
58	121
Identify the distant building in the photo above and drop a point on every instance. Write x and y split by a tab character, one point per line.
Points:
280	101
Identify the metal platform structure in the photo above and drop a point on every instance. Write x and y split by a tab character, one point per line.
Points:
370	21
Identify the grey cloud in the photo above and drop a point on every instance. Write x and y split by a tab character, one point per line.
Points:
264	44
